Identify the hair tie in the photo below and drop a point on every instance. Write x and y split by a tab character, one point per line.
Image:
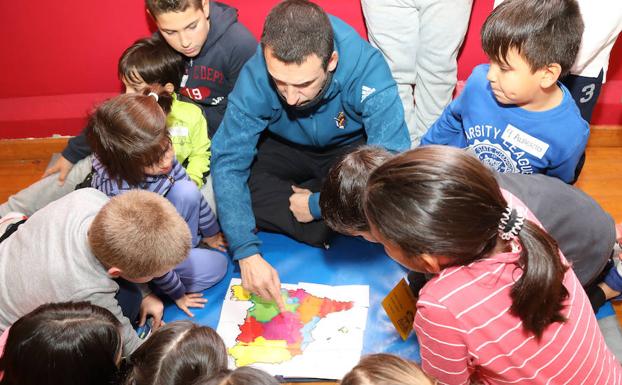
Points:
155	96
510	224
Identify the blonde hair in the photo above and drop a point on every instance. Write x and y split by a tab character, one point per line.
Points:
386	369
141	233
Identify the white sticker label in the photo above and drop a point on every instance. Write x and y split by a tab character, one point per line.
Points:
184	79
524	141
178	131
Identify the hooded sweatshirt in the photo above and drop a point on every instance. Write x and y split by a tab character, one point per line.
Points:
211	75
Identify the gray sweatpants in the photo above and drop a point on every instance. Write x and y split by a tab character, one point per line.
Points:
46	190
420	40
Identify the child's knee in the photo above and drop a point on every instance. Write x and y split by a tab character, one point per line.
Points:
209	268
184	192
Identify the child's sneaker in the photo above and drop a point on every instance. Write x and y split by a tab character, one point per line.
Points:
145	330
9	223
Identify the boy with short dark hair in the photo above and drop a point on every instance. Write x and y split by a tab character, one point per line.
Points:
215	46
83	241
514	114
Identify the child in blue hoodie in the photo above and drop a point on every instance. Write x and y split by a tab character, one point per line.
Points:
514	114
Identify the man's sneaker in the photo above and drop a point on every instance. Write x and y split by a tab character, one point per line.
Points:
9	223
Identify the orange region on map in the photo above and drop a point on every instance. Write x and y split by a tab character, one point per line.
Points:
268	336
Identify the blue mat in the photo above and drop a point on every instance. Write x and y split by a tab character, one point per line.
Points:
349	261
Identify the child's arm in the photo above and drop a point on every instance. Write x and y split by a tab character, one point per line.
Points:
567	167
444	354
448	128
198	160
76	150
171	285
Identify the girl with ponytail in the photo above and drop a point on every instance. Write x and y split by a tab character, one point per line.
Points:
133	150
503	307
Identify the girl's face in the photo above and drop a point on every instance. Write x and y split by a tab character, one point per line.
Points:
421	263
164	165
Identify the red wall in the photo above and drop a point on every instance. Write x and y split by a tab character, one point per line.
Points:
59	58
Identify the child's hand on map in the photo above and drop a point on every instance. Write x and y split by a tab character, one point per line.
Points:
216	241
191	300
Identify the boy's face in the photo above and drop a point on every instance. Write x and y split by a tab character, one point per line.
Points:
514	82
298	83
185	31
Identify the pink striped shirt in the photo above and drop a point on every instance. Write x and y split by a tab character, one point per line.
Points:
466	331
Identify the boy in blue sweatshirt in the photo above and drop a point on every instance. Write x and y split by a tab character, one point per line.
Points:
312	92
514	114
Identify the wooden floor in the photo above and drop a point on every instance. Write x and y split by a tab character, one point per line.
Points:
23	161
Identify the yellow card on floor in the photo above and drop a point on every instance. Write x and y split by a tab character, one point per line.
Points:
400	305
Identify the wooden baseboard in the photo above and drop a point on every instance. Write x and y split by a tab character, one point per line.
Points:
29	149
605	136
41	148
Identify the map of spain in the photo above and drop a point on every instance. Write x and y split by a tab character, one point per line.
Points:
270	337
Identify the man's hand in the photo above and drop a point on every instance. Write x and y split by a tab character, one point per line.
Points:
62	166
216	241
191	300
299	204
151	306
260	278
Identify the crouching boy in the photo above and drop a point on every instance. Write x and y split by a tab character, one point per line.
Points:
74	248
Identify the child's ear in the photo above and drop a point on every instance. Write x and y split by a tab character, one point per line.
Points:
430	263
205	4
550	75
114	272
169	87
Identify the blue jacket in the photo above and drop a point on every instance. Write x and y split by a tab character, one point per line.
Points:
509	138
362	91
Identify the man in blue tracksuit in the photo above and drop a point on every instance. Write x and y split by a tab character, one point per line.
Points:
312	92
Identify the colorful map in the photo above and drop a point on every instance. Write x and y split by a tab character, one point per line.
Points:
271	337
322	328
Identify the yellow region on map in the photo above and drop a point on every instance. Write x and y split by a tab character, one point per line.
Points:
240	293
260	350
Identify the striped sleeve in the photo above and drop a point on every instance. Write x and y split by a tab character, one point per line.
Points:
171	285
208	225
444	354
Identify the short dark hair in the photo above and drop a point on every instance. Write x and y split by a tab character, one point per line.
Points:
153	61
128	133
157	7
244	375
542	31
178	353
64	343
342	191
295	29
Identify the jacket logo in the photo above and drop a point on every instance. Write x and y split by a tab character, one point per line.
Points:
366	91
340	120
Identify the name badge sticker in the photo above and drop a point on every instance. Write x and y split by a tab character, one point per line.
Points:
184	80
524	141
178	131
401	305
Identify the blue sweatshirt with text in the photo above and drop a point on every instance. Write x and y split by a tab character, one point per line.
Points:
511	139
